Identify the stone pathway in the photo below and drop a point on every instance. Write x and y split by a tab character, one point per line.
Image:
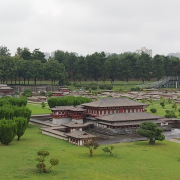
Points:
174	140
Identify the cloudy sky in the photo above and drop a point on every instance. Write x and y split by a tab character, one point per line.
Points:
87	26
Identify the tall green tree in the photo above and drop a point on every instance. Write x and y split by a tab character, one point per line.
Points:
4	51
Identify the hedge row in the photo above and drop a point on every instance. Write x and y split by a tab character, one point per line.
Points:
67	101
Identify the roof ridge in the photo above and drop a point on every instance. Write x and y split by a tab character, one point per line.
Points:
100	102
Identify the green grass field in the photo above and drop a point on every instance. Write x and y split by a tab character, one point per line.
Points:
160	110
136	160
37	108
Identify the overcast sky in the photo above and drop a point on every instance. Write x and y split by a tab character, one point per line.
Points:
87	26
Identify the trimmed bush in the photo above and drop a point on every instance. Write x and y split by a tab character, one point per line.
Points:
153	110
68	83
8	130
101	86
21	126
86	87
67	101
109	87
93	87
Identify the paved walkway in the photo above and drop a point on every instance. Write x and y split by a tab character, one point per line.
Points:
174	140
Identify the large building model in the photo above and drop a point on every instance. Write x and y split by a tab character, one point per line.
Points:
118	113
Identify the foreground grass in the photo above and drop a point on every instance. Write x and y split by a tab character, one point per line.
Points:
160	110
37	109
136	160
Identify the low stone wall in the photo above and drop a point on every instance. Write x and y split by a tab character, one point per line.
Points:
35	88
42	117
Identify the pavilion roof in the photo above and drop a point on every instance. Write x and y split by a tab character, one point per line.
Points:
62	108
129	117
80	135
114	102
73	124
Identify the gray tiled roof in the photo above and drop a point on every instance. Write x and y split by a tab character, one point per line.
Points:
114	102
62	108
129	117
80	135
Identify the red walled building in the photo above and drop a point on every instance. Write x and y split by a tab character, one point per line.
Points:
112	106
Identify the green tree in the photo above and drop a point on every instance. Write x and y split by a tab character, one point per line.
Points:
8	129
108	150
158	66
174	106
26	54
162	104
91	145
4	51
169	100
21	126
43	105
38	55
41	159
151	131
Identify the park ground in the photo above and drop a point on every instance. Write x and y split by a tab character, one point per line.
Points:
117	84
36	108
135	160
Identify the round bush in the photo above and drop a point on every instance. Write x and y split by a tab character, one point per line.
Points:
153	110
101	86
109	87
93	87
68	83
87	87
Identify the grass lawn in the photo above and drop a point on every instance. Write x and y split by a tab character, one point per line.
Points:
117	84
37	108
160	110
136	160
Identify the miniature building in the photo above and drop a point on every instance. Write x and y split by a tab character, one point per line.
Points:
79	137
64	90
108	113
61	114
57	93
124	120
37	99
111	106
4	89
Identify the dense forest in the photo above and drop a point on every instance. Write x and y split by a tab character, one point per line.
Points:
66	66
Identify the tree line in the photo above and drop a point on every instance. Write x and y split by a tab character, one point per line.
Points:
65	66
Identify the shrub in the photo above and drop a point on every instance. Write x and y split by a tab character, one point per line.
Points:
41	165
143	100
50	93
42	93
101	86
86	87
43	105
93	87
8	130
108	150
27	93
162	104
174	106
68	83
170	114
109	87
21	126
153	110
